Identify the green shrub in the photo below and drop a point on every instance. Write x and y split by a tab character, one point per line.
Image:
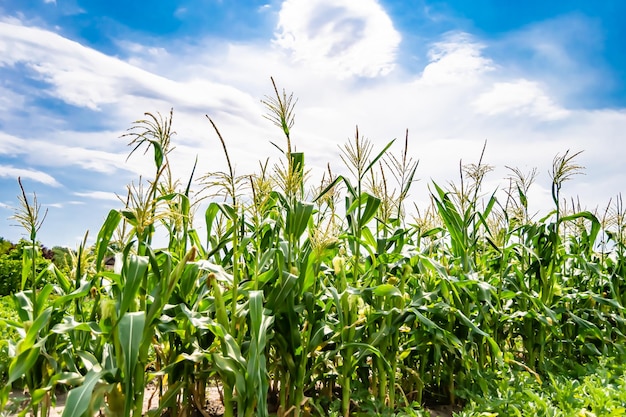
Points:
7	312
10	276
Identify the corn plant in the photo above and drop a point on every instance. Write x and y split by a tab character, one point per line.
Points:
342	303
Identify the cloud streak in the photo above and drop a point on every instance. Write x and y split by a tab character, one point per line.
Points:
99	195
8	171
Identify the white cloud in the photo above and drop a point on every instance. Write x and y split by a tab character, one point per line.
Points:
456	60
49	154
519	97
563	53
8	171
83	77
99	195
345	37
10	100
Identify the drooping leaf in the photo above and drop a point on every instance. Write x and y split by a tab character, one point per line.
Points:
104	236
79	398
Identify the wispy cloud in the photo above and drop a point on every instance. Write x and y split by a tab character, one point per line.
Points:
83	77
562	53
45	153
8	171
519	97
99	195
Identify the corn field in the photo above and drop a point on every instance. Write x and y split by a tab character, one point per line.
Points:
299	300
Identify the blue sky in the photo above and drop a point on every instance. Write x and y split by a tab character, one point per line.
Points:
532	78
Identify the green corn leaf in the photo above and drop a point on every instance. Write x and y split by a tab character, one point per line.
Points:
71	324
587	328
209	216
161	265
188	280
228	210
23	363
167	399
595	224
193	170
340	178
39	394
522	197
29	254
297	163
424	320
135	268
66	378
371	207
88	360
409	181
130	217
61	278
158	153
168	197
231	370
377	157
298	219
321	333
367	237
194	238
256	366
104	236
130	334
281	293
79	398
42	298
362	349
33	331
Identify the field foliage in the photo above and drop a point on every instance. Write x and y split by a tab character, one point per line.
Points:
325	299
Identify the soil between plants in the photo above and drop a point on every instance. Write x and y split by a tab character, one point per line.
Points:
214	407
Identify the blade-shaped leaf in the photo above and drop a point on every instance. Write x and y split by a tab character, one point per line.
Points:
130	332
78	399
134	271
104	236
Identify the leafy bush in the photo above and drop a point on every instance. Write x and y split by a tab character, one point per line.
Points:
600	390
7	312
10	276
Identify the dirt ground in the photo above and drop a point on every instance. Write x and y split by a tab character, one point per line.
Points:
150	402
215	407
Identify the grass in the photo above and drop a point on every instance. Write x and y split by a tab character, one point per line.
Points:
7	312
597	389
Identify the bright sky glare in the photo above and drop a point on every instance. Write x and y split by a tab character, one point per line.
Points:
533	79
